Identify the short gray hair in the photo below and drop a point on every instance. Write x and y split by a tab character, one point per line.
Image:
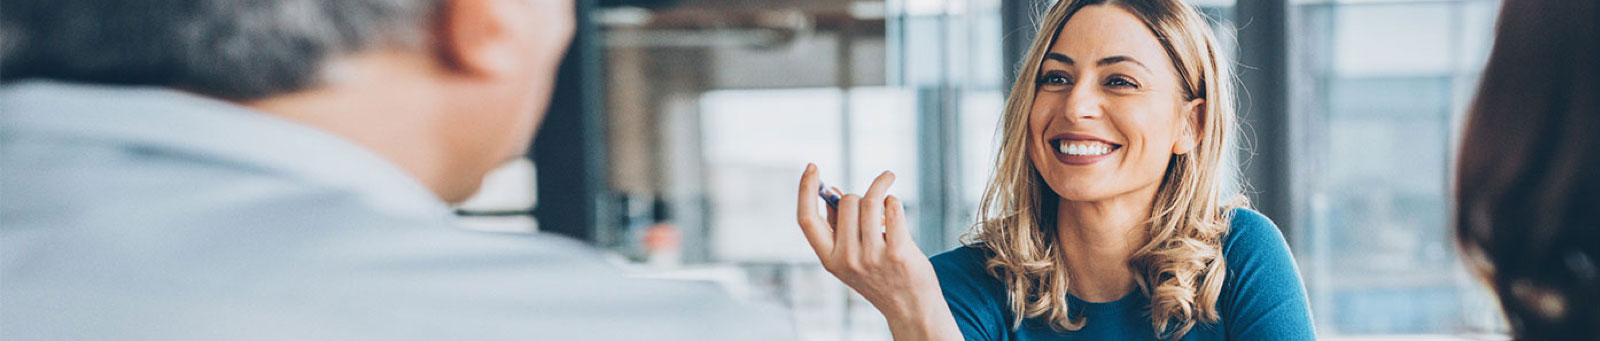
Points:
232	49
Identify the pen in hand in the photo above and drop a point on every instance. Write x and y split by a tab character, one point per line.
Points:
829	194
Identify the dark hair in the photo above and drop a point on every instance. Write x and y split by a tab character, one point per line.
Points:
1528	182
233	49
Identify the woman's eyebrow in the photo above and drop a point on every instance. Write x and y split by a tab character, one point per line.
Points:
1059	57
1120	59
1103	61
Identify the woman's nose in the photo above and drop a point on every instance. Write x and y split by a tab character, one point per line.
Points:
1084	102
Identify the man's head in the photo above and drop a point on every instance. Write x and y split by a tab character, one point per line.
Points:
447	89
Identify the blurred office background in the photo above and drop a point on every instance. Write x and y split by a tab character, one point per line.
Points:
681	127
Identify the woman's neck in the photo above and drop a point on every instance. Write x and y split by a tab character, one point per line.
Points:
1098	238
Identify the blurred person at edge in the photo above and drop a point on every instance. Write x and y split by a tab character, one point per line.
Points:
1105	219
282	169
1528	179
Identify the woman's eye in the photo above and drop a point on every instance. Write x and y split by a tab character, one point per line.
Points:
1120	82
1054	80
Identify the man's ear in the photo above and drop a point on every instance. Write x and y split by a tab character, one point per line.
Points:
476	38
1193	124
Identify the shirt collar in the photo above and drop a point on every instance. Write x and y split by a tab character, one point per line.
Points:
181	122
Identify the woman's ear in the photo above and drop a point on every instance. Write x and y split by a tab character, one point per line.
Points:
1193	123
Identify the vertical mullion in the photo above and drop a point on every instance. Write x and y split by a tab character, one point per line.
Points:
1265	74
1017	29
570	152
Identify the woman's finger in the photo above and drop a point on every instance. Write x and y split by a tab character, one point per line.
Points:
816	229
846	241
872	212
833	218
896	233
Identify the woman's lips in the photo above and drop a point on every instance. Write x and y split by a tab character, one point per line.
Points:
1079	150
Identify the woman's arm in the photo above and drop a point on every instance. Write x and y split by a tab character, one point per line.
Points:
976	299
1266	299
865	243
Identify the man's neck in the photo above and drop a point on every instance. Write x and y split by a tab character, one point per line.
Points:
386	112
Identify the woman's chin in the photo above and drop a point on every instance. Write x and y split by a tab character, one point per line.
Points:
1080	190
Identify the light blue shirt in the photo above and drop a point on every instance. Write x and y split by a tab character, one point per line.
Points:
148	213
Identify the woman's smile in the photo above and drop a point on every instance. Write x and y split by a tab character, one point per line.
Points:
1082	150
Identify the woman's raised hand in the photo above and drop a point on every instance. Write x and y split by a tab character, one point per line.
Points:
865	243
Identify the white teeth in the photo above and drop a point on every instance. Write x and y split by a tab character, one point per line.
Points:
1084	148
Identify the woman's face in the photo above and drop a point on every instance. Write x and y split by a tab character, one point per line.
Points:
1110	110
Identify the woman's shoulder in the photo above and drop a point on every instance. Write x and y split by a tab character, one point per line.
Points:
1262	294
1248	232
1256	254
976	298
964	272
964	261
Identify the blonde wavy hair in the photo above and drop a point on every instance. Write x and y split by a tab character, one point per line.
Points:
1181	268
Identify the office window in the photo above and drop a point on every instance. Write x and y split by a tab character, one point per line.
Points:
1382	89
755	141
948	53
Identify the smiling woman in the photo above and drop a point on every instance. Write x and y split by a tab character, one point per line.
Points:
1105	218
